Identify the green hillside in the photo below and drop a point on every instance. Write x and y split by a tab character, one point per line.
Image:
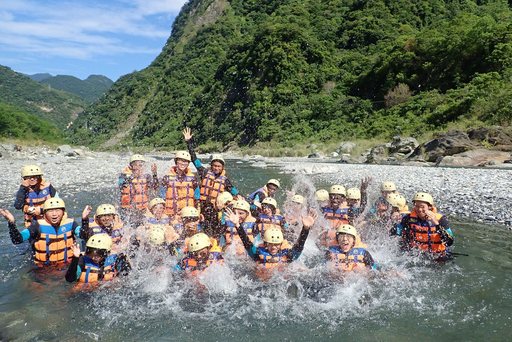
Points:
90	89
29	96
289	71
17	124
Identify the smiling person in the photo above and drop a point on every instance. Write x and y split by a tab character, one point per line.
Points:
180	185
425	229
105	221
271	255
53	235
33	192
348	254
201	254
256	197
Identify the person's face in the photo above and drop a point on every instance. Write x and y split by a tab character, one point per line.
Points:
266	209
190	224
421	209
217	167
353	202
336	200
382	208
273	248
242	214
33	180
346	242
271	188
97	255
385	194
158	210
202	255
105	220
137	165
54	216
182	164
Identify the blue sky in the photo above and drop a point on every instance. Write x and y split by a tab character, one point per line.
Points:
79	38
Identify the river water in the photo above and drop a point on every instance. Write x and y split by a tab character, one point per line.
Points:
468	299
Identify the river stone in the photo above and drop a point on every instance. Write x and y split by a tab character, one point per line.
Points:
402	146
478	157
334	154
497	137
346	147
316	155
446	144
66	150
378	154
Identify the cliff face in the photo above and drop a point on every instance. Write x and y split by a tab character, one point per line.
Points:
245	71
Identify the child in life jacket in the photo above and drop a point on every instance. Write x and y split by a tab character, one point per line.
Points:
269	217
271	255
246	220
97	264
33	192
348	254
201	254
106	220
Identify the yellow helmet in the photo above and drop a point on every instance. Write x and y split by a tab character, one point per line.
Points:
396	200
354	194
183	155
136	157
275	182
269	201
346	229
337	190
388	186
298	199
223	199
189	212
31	170
157	235
322	195
217	157
156	201
100	241
54	203
105	209
423	197
273	235
242	205
198	242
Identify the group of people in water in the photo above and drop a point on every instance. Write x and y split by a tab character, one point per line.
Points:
203	215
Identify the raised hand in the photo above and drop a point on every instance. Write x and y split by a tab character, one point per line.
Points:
7	215
187	133
232	216
76	249
25	182
309	220
154	168
86	212
365	182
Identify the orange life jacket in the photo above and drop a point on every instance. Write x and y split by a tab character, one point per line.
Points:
212	186
180	191
193	268
328	239
36	199
53	246
265	221
336	217
353	260
135	193
423	234
116	232
231	235
94	273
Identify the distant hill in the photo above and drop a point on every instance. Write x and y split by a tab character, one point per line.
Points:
18	124
40	77
29	96
89	89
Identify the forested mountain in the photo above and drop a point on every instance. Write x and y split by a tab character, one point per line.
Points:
39	77
249	71
89	89
26	95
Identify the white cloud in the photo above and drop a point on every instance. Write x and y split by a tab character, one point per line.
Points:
83	29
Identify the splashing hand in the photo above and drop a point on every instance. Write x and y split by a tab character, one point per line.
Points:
232	216
76	249
86	212
309	221
187	133
7	215
365	182
154	169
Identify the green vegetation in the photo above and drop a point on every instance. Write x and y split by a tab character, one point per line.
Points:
90	89
20	91
279	72
17	124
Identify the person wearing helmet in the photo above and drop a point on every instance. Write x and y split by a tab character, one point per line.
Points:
399	207
105	220
337	210
135	186
322	197
52	236
181	187
425	229
242	209
33	192
294	210
157	231
269	217
257	196
200	255
381	209
97	264
189	226
354	204
272	253
213	181
348	254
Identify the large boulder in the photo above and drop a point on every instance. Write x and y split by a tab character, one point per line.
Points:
494	137
66	150
478	157
377	154
316	155
346	147
404	146
446	144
